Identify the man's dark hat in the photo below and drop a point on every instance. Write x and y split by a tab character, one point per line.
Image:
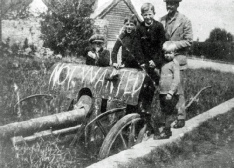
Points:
97	38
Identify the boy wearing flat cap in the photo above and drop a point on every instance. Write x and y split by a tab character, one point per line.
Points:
96	54
178	29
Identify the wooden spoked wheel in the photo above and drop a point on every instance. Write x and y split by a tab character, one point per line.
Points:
123	135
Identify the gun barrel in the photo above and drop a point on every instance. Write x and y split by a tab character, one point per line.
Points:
76	116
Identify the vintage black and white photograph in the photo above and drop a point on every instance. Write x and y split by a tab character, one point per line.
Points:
116	84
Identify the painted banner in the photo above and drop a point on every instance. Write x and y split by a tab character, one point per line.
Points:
72	78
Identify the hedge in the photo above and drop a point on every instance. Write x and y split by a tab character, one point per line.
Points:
214	50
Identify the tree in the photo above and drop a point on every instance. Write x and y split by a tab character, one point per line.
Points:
220	35
54	5
1	13
67	26
11	5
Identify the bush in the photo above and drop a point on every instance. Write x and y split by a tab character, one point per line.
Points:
67	31
214	50
25	69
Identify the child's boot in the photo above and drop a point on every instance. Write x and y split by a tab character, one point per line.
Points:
179	124
166	133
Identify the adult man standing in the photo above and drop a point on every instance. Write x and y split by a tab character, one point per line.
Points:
178	29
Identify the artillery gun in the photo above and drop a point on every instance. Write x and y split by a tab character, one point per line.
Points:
104	105
89	100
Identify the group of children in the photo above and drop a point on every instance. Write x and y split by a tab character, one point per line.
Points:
143	47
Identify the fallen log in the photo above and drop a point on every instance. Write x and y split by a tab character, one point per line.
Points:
76	116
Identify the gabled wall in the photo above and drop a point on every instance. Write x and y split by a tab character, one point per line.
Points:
116	18
114	22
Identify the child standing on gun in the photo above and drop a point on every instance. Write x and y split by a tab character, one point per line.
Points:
170	88
150	36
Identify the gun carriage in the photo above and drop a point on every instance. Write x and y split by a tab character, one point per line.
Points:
106	107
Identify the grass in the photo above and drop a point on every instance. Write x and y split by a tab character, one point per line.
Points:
31	77
44	153
22	77
221	91
19	78
209	146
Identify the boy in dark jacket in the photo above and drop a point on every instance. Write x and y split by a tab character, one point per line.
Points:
126	41
96	54
150	38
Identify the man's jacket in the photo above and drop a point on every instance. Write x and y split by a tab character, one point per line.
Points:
181	33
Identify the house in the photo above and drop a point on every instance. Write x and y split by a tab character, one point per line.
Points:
109	18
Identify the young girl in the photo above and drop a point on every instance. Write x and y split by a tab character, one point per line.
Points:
125	40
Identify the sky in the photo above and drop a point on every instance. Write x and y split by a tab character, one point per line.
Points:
205	15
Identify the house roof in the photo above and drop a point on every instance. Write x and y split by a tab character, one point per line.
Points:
101	11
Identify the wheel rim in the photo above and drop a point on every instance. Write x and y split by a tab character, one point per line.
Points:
123	135
127	135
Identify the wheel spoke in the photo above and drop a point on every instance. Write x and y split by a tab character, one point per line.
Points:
119	132
101	128
132	134
123	140
141	134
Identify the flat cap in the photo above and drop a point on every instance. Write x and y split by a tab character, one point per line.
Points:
172	0
97	38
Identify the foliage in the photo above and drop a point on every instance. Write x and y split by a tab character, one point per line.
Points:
30	77
54	5
219	46
21	13
23	68
220	35
67	32
16	5
24	71
49	153
214	50
221	89
13	9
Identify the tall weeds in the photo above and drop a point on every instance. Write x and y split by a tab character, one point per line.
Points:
30	75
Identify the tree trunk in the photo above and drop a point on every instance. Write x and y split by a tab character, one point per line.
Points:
63	119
